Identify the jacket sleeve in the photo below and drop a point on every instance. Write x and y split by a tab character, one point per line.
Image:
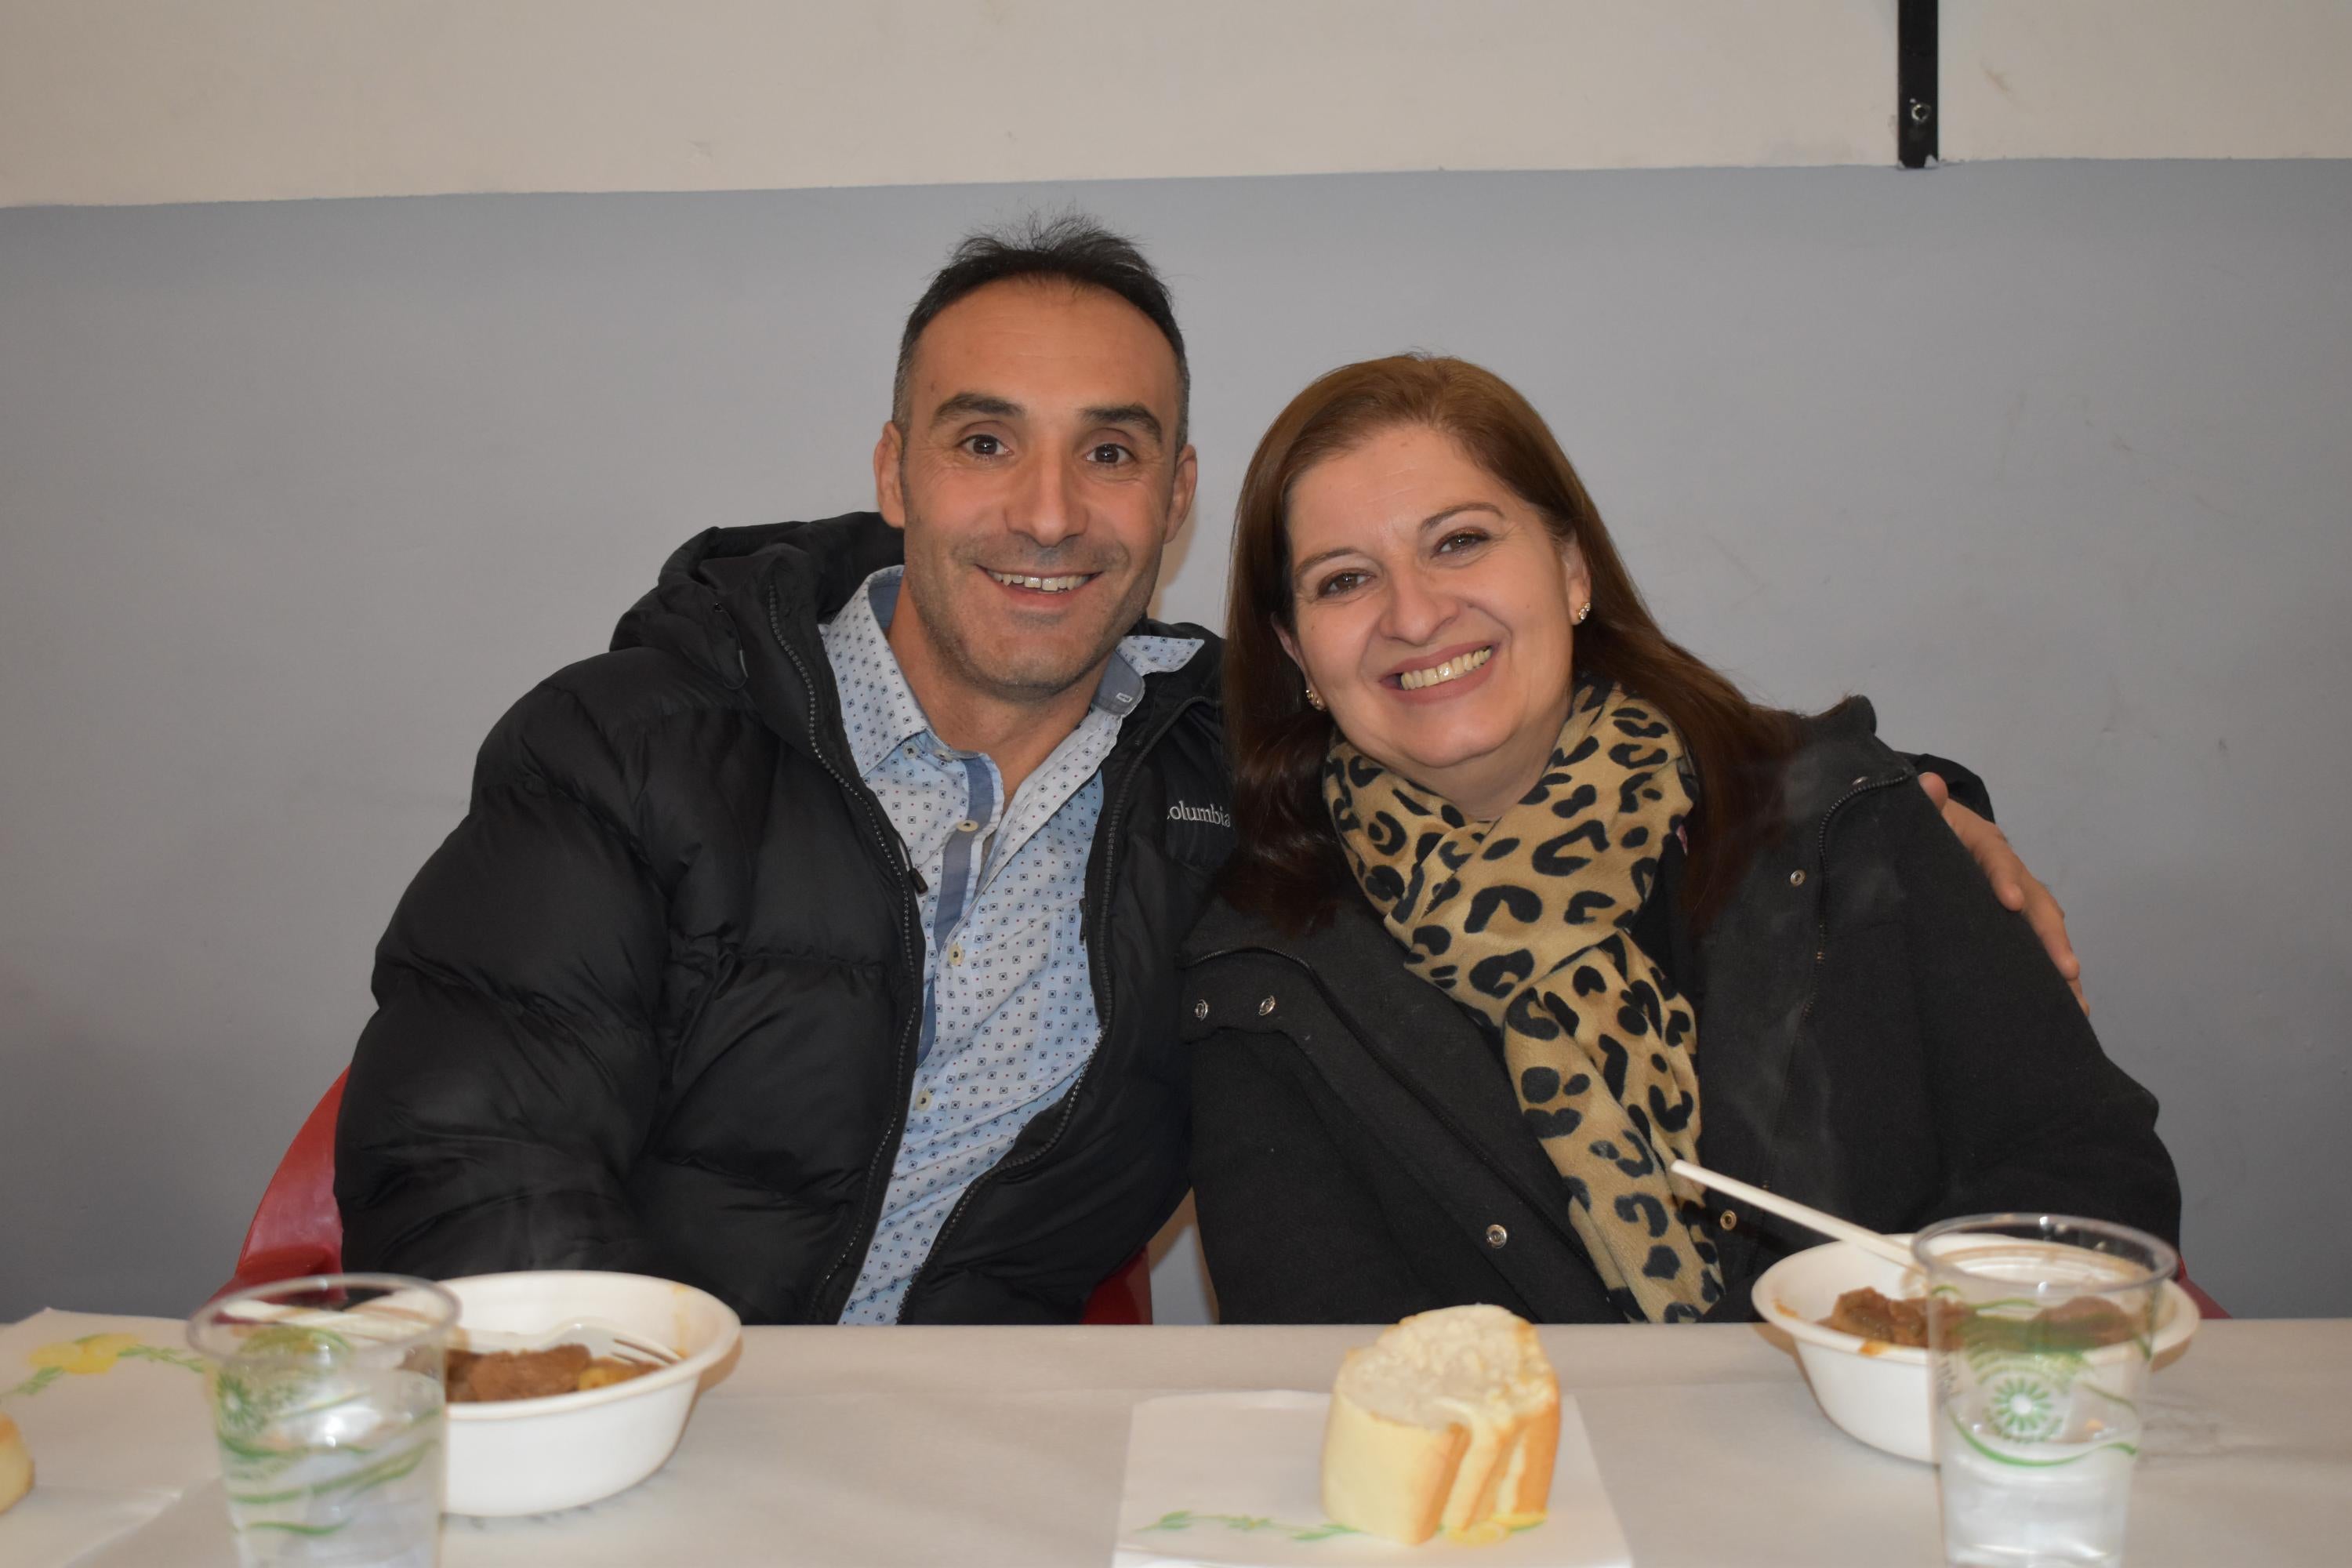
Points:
1290	1234
2031	1112
502	1089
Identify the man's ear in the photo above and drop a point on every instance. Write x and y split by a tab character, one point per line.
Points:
1179	494
890	459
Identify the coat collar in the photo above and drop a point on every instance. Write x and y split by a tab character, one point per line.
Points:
744	605
1840	753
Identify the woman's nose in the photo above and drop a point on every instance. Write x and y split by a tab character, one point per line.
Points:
1417	608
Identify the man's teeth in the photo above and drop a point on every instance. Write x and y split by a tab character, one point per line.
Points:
1454	669
1042	584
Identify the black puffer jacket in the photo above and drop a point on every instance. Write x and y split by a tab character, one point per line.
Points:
653	1004
1878	1037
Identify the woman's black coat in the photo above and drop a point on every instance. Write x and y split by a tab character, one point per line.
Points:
1878	1037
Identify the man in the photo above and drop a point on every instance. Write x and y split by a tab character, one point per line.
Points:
814	945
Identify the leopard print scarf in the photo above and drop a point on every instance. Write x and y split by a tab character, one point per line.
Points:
1523	921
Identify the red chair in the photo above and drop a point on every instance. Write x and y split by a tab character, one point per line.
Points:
2207	1307
297	1230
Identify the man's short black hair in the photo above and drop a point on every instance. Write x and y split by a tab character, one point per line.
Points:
1070	247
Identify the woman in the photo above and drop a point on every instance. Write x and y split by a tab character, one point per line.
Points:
1530	902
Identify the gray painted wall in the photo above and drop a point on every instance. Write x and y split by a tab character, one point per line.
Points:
2051	459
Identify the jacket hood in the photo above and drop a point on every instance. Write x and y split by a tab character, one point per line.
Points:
712	593
727	597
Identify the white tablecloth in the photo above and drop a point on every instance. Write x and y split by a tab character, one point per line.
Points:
927	1447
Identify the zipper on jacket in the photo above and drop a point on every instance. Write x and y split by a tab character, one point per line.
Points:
1096	923
1821	860
886	838
1771	1172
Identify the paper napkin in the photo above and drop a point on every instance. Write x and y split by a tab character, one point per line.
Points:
1236	1480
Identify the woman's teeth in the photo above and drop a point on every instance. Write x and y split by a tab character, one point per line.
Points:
1454	669
1042	584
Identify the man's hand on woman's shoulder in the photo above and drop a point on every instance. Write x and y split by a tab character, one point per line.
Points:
2016	887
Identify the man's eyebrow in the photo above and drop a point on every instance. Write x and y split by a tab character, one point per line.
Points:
985	405
1134	414
1431	521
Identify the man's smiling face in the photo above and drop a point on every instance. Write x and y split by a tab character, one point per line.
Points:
1038	479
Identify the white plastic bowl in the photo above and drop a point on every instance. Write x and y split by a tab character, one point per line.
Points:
535	1456
1874	1391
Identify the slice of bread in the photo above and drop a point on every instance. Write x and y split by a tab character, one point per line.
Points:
1449	1421
15	1465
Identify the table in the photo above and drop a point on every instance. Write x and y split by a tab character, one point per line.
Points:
914	1446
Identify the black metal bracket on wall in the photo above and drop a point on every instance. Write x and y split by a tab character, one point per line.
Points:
1916	75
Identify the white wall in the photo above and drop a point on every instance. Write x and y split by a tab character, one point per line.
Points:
105	101
2146	78
2049	459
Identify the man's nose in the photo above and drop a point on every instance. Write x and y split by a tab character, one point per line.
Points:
1046	508
1417	608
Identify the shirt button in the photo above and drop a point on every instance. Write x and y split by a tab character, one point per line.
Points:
1796	879
1201	1008
967	825
1265	1006
1497	1235
955	952
1728	1219
923	1101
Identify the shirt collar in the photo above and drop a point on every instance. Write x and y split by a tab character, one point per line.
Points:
859	642
869	676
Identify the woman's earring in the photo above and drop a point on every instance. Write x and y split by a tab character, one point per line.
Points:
1314	700
1583	611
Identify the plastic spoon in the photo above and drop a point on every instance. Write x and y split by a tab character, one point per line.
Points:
1812	1218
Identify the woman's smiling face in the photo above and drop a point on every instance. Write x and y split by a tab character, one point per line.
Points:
1435	614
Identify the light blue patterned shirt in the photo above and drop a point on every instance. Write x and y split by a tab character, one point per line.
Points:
1008	1003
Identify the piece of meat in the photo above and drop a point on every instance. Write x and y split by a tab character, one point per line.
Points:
515	1374
1872	1316
2086	1322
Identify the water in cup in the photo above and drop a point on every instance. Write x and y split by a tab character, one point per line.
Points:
2040	1333
346	1473
328	1404
1996	1515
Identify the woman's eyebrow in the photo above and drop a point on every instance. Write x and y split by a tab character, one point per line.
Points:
1320	557
1433	519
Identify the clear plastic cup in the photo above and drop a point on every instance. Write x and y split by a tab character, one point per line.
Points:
327	1400
2041	1330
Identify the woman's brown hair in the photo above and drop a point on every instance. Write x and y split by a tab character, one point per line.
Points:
1287	867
